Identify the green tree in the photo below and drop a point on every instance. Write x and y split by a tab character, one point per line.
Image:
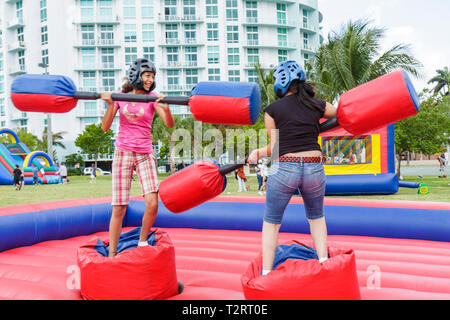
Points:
57	140
94	141
426	132
352	56
164	134
72	159
442	80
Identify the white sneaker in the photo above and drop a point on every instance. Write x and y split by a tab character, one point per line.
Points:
260	193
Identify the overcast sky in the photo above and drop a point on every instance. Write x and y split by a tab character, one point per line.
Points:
425	25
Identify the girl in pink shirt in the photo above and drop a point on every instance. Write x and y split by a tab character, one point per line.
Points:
133	149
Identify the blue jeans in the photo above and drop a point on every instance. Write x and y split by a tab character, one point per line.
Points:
284	178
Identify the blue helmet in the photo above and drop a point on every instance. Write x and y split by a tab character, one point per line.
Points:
284	74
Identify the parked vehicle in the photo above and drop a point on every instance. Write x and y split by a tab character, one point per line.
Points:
100	172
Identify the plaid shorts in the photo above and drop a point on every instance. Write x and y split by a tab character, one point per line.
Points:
124	163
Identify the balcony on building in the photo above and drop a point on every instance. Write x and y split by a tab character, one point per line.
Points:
15	23
267	44
16	46
16	70
307	48
308	27
17	116
250	21
114	19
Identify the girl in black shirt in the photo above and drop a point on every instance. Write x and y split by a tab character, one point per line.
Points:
292	123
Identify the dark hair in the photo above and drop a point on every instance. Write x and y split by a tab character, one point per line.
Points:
126	87
305	94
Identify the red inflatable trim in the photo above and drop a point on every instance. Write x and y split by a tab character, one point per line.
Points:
297	279
223	110
43	102
375	104
176	191
143	273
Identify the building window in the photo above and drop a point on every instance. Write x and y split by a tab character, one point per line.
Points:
19	11
44	54
173	79
172	33
253	57
87	10
130	33
305	18
43	5
170	9
89	81
106	10
21	55
44	35
129	9
149	53
108	80
172	56
282	55
191	56
252	76
214	74
232	34
147	9
189	9
282	37
20	36
88	121
252	36
88	58
212	10
251	11
306	57
190	33
90	108
234	75
87	35
281	13
305	41
233	56
148	32
191	77
231	10
130	55
212	30
106	34
2	90
107	58
213	54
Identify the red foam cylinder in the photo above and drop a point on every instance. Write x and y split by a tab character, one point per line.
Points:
191	186
142	273
377	103
297	279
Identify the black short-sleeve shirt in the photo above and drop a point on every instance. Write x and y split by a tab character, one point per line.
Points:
297	124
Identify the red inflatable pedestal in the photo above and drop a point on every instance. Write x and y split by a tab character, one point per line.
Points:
298	279
140	273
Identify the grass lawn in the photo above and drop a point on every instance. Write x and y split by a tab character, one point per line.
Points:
80	187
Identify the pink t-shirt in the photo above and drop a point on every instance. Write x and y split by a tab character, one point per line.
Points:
135	130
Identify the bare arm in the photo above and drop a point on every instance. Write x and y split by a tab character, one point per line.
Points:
330	111
110	113
267	150
163	111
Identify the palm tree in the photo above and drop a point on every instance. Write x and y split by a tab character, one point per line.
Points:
57	138
352	57
442	79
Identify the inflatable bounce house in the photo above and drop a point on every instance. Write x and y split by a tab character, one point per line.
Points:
17	153
362	164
